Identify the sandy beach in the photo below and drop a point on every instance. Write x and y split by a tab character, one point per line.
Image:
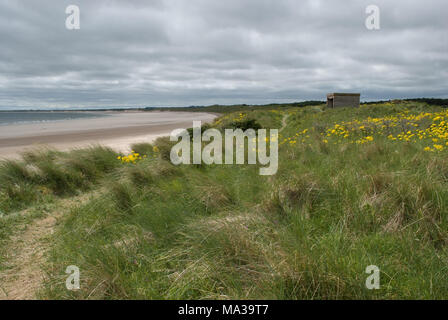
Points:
117	130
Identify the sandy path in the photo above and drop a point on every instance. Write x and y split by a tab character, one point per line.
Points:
284	122
24	259
26	253
117	130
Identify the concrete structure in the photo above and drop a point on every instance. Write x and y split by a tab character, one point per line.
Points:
336	100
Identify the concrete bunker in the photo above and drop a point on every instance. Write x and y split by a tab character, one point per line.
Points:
338	100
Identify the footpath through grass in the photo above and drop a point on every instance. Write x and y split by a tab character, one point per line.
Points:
355	187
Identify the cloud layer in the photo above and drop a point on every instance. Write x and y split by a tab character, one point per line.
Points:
199	52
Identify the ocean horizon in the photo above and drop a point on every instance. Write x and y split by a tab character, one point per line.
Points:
23	117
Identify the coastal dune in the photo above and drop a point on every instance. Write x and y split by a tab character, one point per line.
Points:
118	130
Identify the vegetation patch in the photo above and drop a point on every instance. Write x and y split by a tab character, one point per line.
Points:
355	187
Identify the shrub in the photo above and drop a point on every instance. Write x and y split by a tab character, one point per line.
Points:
143	148
140	175
14	172
103	158
61	180
244	124
18	196
164	146
35	156
122	195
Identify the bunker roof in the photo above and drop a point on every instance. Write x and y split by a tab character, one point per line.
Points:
342	94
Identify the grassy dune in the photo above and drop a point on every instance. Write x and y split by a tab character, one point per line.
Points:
355	187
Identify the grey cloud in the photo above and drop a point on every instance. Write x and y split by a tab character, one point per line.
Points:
179	53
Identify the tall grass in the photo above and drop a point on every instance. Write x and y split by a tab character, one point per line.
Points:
224	232
46	172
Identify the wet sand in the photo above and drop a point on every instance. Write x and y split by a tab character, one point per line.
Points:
117	130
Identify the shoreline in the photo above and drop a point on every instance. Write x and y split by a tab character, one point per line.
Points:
118	130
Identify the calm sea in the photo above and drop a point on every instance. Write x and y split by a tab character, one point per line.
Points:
28	117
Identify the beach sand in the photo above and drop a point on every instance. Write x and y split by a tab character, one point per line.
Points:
117	130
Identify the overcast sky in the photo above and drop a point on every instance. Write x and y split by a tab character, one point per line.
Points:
201	52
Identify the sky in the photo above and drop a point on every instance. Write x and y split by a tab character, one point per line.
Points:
203	52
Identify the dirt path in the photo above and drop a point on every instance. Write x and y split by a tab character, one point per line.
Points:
284	119
26	254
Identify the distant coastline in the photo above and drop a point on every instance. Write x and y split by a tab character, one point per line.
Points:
221	108
15	117
117	130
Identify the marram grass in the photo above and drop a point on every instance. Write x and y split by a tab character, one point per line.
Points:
355	187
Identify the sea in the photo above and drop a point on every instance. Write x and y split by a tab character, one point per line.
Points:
14	117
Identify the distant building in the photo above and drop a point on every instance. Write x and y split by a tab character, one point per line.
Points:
336	100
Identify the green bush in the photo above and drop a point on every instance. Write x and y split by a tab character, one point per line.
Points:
244	125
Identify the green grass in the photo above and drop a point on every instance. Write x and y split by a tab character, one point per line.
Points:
158	231
29	188
43	174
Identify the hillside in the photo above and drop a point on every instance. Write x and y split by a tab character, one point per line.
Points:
355	187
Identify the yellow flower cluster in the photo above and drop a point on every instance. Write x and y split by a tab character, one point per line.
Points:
231	116
301	136
364	140
131	158
240	117
428	128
